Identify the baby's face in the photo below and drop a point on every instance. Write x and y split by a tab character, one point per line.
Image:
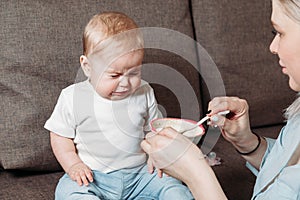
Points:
121	78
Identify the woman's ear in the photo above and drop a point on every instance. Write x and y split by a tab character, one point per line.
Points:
85	65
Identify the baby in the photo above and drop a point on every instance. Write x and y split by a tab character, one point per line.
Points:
97	125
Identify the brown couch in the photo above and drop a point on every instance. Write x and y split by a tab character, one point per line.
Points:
39	55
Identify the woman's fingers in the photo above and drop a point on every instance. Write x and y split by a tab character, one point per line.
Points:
150	165
159	140
146	146
159	173
169	132
217	120
235	126
221	122
236	105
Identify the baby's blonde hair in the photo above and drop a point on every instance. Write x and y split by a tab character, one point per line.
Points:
104	25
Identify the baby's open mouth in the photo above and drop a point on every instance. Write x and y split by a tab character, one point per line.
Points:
120	93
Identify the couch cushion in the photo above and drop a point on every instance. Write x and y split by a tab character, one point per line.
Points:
25	185
237	35
39	55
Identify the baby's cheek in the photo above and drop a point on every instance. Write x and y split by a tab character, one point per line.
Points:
103	90
136	82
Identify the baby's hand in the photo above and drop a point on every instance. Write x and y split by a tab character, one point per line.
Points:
80	173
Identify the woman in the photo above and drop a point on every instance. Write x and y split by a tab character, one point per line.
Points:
274	162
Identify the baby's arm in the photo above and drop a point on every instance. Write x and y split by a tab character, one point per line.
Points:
65	152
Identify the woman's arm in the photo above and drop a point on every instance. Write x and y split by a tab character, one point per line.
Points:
203	182
259	147
179	157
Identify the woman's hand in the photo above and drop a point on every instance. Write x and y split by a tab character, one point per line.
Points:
80	173
235	127
177	156
172	152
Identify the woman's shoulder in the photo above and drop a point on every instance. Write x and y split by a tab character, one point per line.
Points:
293	125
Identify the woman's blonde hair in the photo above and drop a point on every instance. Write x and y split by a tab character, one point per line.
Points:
293	109
291	8
105	25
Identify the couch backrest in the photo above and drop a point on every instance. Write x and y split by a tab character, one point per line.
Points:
41	44
237	35
39	55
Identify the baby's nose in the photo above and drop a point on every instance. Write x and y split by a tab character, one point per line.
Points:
124	81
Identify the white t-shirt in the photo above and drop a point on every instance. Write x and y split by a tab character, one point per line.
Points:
107	134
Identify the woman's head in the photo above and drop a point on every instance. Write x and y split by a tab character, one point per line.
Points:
286	43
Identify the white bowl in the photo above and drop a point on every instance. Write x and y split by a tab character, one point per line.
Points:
179	125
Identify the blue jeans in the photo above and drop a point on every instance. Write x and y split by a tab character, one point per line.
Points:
123	184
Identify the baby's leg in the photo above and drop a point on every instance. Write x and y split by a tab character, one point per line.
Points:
150	186
173	189
68	189
104	186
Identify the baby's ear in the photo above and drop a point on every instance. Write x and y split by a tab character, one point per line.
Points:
85	65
